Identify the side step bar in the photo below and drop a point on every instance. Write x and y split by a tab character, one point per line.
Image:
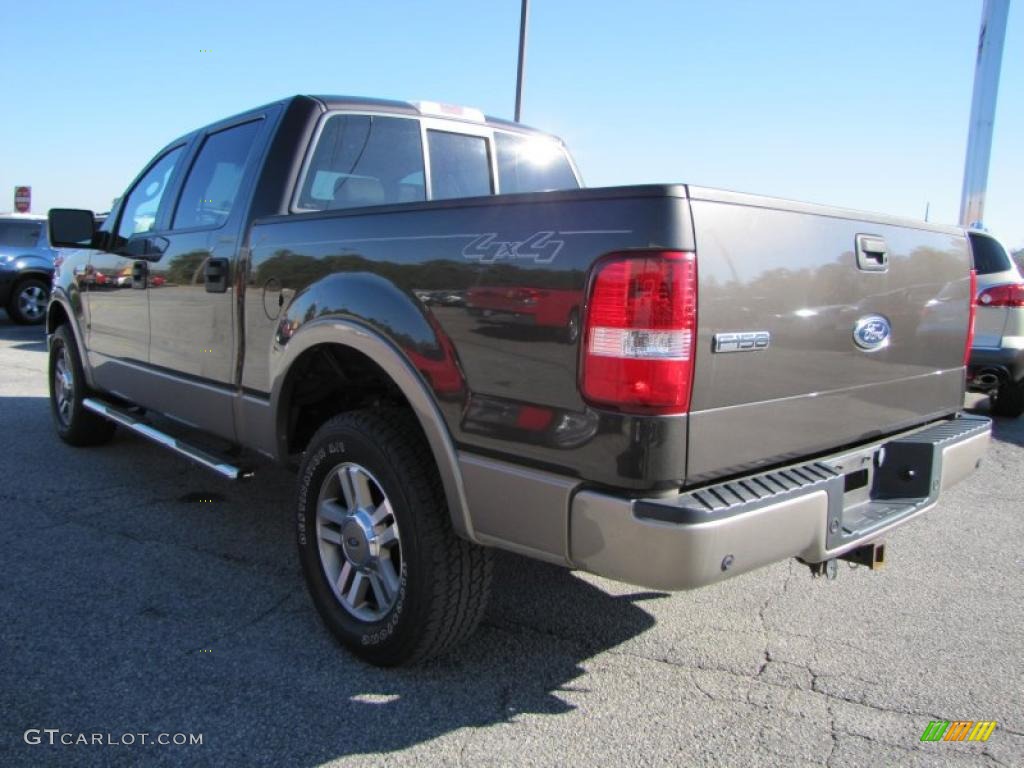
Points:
197	455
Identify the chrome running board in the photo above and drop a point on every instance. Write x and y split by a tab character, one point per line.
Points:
199	456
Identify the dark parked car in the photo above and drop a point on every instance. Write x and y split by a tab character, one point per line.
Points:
26	267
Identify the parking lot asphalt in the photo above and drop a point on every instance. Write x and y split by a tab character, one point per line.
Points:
140	594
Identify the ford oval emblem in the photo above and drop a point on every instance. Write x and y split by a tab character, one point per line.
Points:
872	332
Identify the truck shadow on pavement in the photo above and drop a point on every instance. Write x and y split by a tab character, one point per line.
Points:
27	337
1003	429
144	595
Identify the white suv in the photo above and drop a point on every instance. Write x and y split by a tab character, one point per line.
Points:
997	356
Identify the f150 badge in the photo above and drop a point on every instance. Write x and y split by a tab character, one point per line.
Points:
872	332
742	341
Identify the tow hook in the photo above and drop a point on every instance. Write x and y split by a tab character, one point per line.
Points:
871	555
829	569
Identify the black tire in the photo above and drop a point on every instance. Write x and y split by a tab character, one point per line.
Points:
1008	400
27	305
444	581
75	425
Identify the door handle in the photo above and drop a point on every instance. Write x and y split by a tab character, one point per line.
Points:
140	274
216	275
872	253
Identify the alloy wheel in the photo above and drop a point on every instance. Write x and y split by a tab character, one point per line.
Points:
63	386
32	302
359	544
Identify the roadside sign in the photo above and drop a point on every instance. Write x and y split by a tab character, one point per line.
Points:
22	199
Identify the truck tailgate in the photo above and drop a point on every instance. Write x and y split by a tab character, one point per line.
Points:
809	277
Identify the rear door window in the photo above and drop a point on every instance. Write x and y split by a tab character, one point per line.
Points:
20	234
213	183
989	256
363	160
459	165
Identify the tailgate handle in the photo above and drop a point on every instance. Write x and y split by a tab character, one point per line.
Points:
872	253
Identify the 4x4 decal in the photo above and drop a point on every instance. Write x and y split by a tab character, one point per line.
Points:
540	248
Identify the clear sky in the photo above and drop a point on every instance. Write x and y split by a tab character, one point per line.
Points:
862	104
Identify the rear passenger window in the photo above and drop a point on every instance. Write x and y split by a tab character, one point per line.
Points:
989	256
216	175
459	165
18	234
364	160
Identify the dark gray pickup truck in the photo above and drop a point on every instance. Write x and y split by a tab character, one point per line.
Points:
459	349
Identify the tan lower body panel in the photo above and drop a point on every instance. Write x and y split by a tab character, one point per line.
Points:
607	539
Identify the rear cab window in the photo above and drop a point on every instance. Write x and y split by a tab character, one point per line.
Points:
989	256
360	160
460	165
532	164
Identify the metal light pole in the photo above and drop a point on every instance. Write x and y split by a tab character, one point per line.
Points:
520	76
983	110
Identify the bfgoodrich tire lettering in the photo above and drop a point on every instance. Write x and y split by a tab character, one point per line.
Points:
441	582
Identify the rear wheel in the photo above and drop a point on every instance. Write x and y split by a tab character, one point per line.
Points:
384	567
27	305
75	425
1009	400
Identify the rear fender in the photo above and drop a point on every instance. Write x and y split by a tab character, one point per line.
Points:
370	315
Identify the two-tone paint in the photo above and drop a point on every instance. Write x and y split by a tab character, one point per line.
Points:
499	395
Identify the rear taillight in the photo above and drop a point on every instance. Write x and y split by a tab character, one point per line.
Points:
972	310
525	295
641	319
1009	295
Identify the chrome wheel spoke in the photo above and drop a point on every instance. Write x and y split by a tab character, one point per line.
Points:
332	512
63	386
344	576
388	535
330	535
356	595
355	486
382	511
389	577
380	589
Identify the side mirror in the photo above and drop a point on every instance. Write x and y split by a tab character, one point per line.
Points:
71	228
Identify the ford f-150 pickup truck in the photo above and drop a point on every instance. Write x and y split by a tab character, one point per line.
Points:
752	379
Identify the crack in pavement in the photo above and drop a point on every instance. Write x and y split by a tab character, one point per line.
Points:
222	557
829	698
245	624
